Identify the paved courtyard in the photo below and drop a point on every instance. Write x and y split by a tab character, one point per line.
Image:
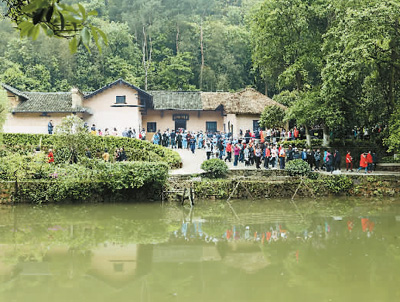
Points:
191	164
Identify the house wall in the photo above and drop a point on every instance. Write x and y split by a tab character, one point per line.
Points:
196	122
31	122
230	123
105	116
244	122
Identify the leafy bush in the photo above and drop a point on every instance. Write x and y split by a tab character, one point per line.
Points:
90	177
297	167
215	166
338	184
301	143
136	150
33	166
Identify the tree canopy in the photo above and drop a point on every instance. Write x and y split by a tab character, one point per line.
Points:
341	58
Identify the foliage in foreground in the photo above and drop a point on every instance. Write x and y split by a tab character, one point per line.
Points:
50	182
298	167
215	167
136	150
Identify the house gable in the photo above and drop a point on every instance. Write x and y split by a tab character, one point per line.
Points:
144	100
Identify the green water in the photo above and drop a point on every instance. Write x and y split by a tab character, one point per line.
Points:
325	250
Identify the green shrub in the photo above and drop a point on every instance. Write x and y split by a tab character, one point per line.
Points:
81	181
338	183
301	143
136	150
297	167
215	167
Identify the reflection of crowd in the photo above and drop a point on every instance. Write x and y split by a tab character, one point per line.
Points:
273	233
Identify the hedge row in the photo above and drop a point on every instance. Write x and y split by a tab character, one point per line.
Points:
136	150
80	182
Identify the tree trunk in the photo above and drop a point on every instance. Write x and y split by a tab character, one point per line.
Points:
325	136
146	58
202	55
177	38
266	88
308	137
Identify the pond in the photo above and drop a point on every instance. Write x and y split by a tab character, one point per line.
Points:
270	250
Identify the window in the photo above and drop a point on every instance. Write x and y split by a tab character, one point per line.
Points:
151	126
211	127
120	99
256	125
118	267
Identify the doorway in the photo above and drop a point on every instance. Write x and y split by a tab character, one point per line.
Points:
180	124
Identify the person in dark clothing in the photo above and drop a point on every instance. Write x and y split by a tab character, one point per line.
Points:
122	154
251	155
330	164
188	137
310	159
289	154
337	160
374	160
88	153
192	143
50	127
220	147
173	141
317	158
247	136
179	140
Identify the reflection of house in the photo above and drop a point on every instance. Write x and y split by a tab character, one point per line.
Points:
121	104
114	263
185	253
6	270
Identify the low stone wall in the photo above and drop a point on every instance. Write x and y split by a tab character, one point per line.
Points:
391	167
277	184
240	184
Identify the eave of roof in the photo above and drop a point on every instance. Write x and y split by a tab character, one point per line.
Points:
119	81
14	90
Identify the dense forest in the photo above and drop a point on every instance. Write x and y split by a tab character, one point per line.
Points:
334	63
154	44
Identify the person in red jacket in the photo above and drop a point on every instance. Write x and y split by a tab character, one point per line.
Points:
349	162
363	162
370	161
228	150
50	156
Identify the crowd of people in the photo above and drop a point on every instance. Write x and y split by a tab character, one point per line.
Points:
261	149
127	132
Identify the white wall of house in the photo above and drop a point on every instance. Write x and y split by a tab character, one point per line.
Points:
106	116
245	122
31	122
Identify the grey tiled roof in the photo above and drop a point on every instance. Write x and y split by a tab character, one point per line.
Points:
178	100
14	90
47	102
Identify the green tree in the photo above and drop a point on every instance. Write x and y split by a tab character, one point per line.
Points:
4	105
362	52
175	73
272	116
71	139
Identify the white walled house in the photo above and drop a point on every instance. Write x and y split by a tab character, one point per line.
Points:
123	105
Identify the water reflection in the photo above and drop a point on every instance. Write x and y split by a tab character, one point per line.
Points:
125	252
